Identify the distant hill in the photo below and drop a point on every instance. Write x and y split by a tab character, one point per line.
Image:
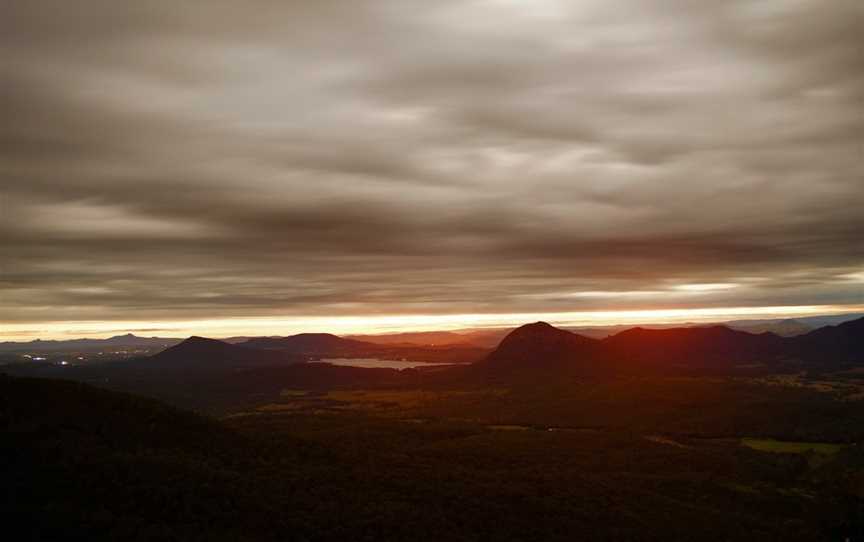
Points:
201	374
784	328
843	343
326	345
311	344
693	347
543	346
472	337
213	376
420	338
828	320
127	340
199	352
483	338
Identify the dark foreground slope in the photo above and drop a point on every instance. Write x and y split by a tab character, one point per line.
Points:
85	464
209	376
79	463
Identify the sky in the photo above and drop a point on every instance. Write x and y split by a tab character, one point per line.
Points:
281	166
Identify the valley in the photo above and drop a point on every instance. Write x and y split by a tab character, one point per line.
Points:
550	435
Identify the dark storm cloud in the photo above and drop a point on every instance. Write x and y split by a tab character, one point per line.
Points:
162	160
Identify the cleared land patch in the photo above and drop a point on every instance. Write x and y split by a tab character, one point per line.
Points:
779	446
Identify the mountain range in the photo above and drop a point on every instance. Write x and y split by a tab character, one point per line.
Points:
118	341
477	338
538	347
543	346
490	337
639	349
217	376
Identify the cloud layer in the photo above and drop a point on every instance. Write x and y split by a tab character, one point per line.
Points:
164	160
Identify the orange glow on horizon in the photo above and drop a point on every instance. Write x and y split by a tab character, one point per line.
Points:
227	327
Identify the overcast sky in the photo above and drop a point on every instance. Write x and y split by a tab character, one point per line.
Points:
164	160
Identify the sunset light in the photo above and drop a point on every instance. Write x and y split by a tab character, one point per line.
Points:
432	271
412	322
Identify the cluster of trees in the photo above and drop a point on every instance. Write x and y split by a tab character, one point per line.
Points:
83	463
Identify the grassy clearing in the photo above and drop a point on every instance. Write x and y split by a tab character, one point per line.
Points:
778	446
402	400
509	427
841	388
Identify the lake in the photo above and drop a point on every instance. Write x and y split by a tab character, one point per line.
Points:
370	363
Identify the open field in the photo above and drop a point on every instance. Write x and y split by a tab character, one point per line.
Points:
624	458
771	445
678	407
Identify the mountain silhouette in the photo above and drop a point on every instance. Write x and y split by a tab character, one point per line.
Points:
789	327
326	345
541	345
200	352
312	344
419	338
691	346
843	343
128	340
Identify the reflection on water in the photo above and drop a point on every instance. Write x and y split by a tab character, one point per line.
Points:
370	363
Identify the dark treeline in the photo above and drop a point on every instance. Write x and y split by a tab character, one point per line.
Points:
82	463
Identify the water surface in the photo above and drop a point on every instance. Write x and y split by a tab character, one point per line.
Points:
370	363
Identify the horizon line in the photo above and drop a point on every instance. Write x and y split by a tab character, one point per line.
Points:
382	324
